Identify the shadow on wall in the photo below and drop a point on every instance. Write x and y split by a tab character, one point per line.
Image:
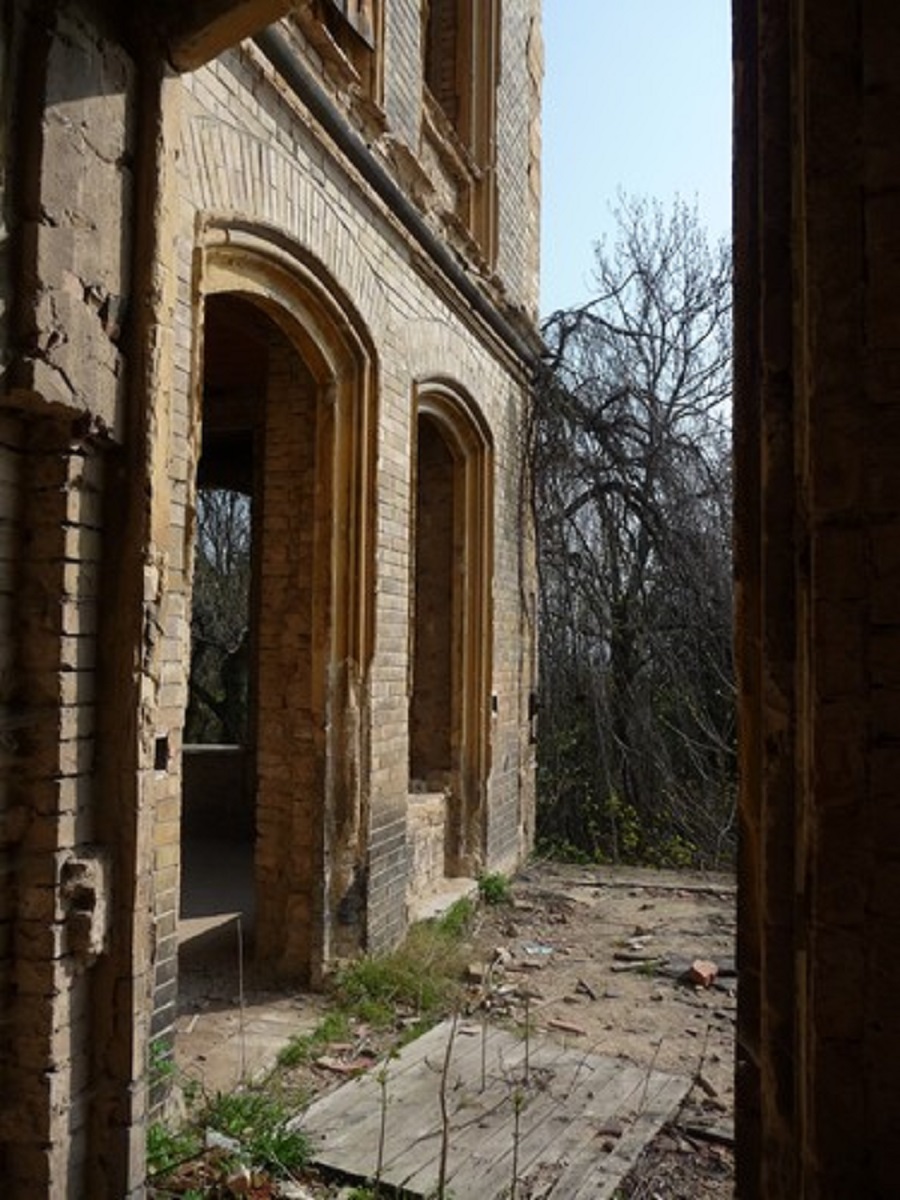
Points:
216	799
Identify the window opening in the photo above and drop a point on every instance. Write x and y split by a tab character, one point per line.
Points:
461	68
433	699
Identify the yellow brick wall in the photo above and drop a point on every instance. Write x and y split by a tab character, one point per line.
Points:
264	166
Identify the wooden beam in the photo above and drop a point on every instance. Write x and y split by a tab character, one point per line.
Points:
198	32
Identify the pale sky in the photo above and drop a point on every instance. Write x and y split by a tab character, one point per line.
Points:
637	96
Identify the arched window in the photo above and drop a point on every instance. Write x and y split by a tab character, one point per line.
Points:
450	635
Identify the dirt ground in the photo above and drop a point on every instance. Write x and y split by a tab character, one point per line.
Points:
600	957
607	952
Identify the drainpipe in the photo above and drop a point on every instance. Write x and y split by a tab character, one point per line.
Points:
281	54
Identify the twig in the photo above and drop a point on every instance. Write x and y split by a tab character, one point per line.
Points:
527	1038
726	890
484	1030
382	1077
445	1116
518	1102
699	1078
643	1099
717	1135
240	953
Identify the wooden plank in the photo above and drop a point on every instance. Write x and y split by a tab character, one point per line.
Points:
546	1118
414	1129
475	1114
591	1111
592	1108
594	1174
348	1121
573	1104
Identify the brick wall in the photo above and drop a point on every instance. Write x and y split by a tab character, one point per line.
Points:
290	718
518	152
50	809
216	181
10	533
268	164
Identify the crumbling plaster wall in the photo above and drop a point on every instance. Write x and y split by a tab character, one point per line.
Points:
74	153
68	174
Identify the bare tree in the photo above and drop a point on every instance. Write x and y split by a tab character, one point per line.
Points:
632	501
217	705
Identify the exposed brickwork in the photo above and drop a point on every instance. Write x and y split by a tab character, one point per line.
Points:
290	830
279	174
240	192
518	152
50	809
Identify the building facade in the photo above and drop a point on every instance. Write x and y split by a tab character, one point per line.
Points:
288	252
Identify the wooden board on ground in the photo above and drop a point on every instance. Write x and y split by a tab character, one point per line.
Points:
569	1123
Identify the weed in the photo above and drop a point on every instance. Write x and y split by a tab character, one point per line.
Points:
382	1078
167	1148
334	1027
258	1121
457	920
162	1065
445	1114
650	968
423	974
411	1032
494	888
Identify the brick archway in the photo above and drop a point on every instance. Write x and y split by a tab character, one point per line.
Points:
450	653
314	574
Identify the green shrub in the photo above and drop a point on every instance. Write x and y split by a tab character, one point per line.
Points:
456	922
494	888
258	1121
166	1148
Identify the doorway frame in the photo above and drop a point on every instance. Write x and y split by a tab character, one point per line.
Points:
328	335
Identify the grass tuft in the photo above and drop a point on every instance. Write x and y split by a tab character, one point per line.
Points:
423	975
494	888
334	1027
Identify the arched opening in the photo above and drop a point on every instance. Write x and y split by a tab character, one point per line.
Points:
274	798
449	706
219	765
433	710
